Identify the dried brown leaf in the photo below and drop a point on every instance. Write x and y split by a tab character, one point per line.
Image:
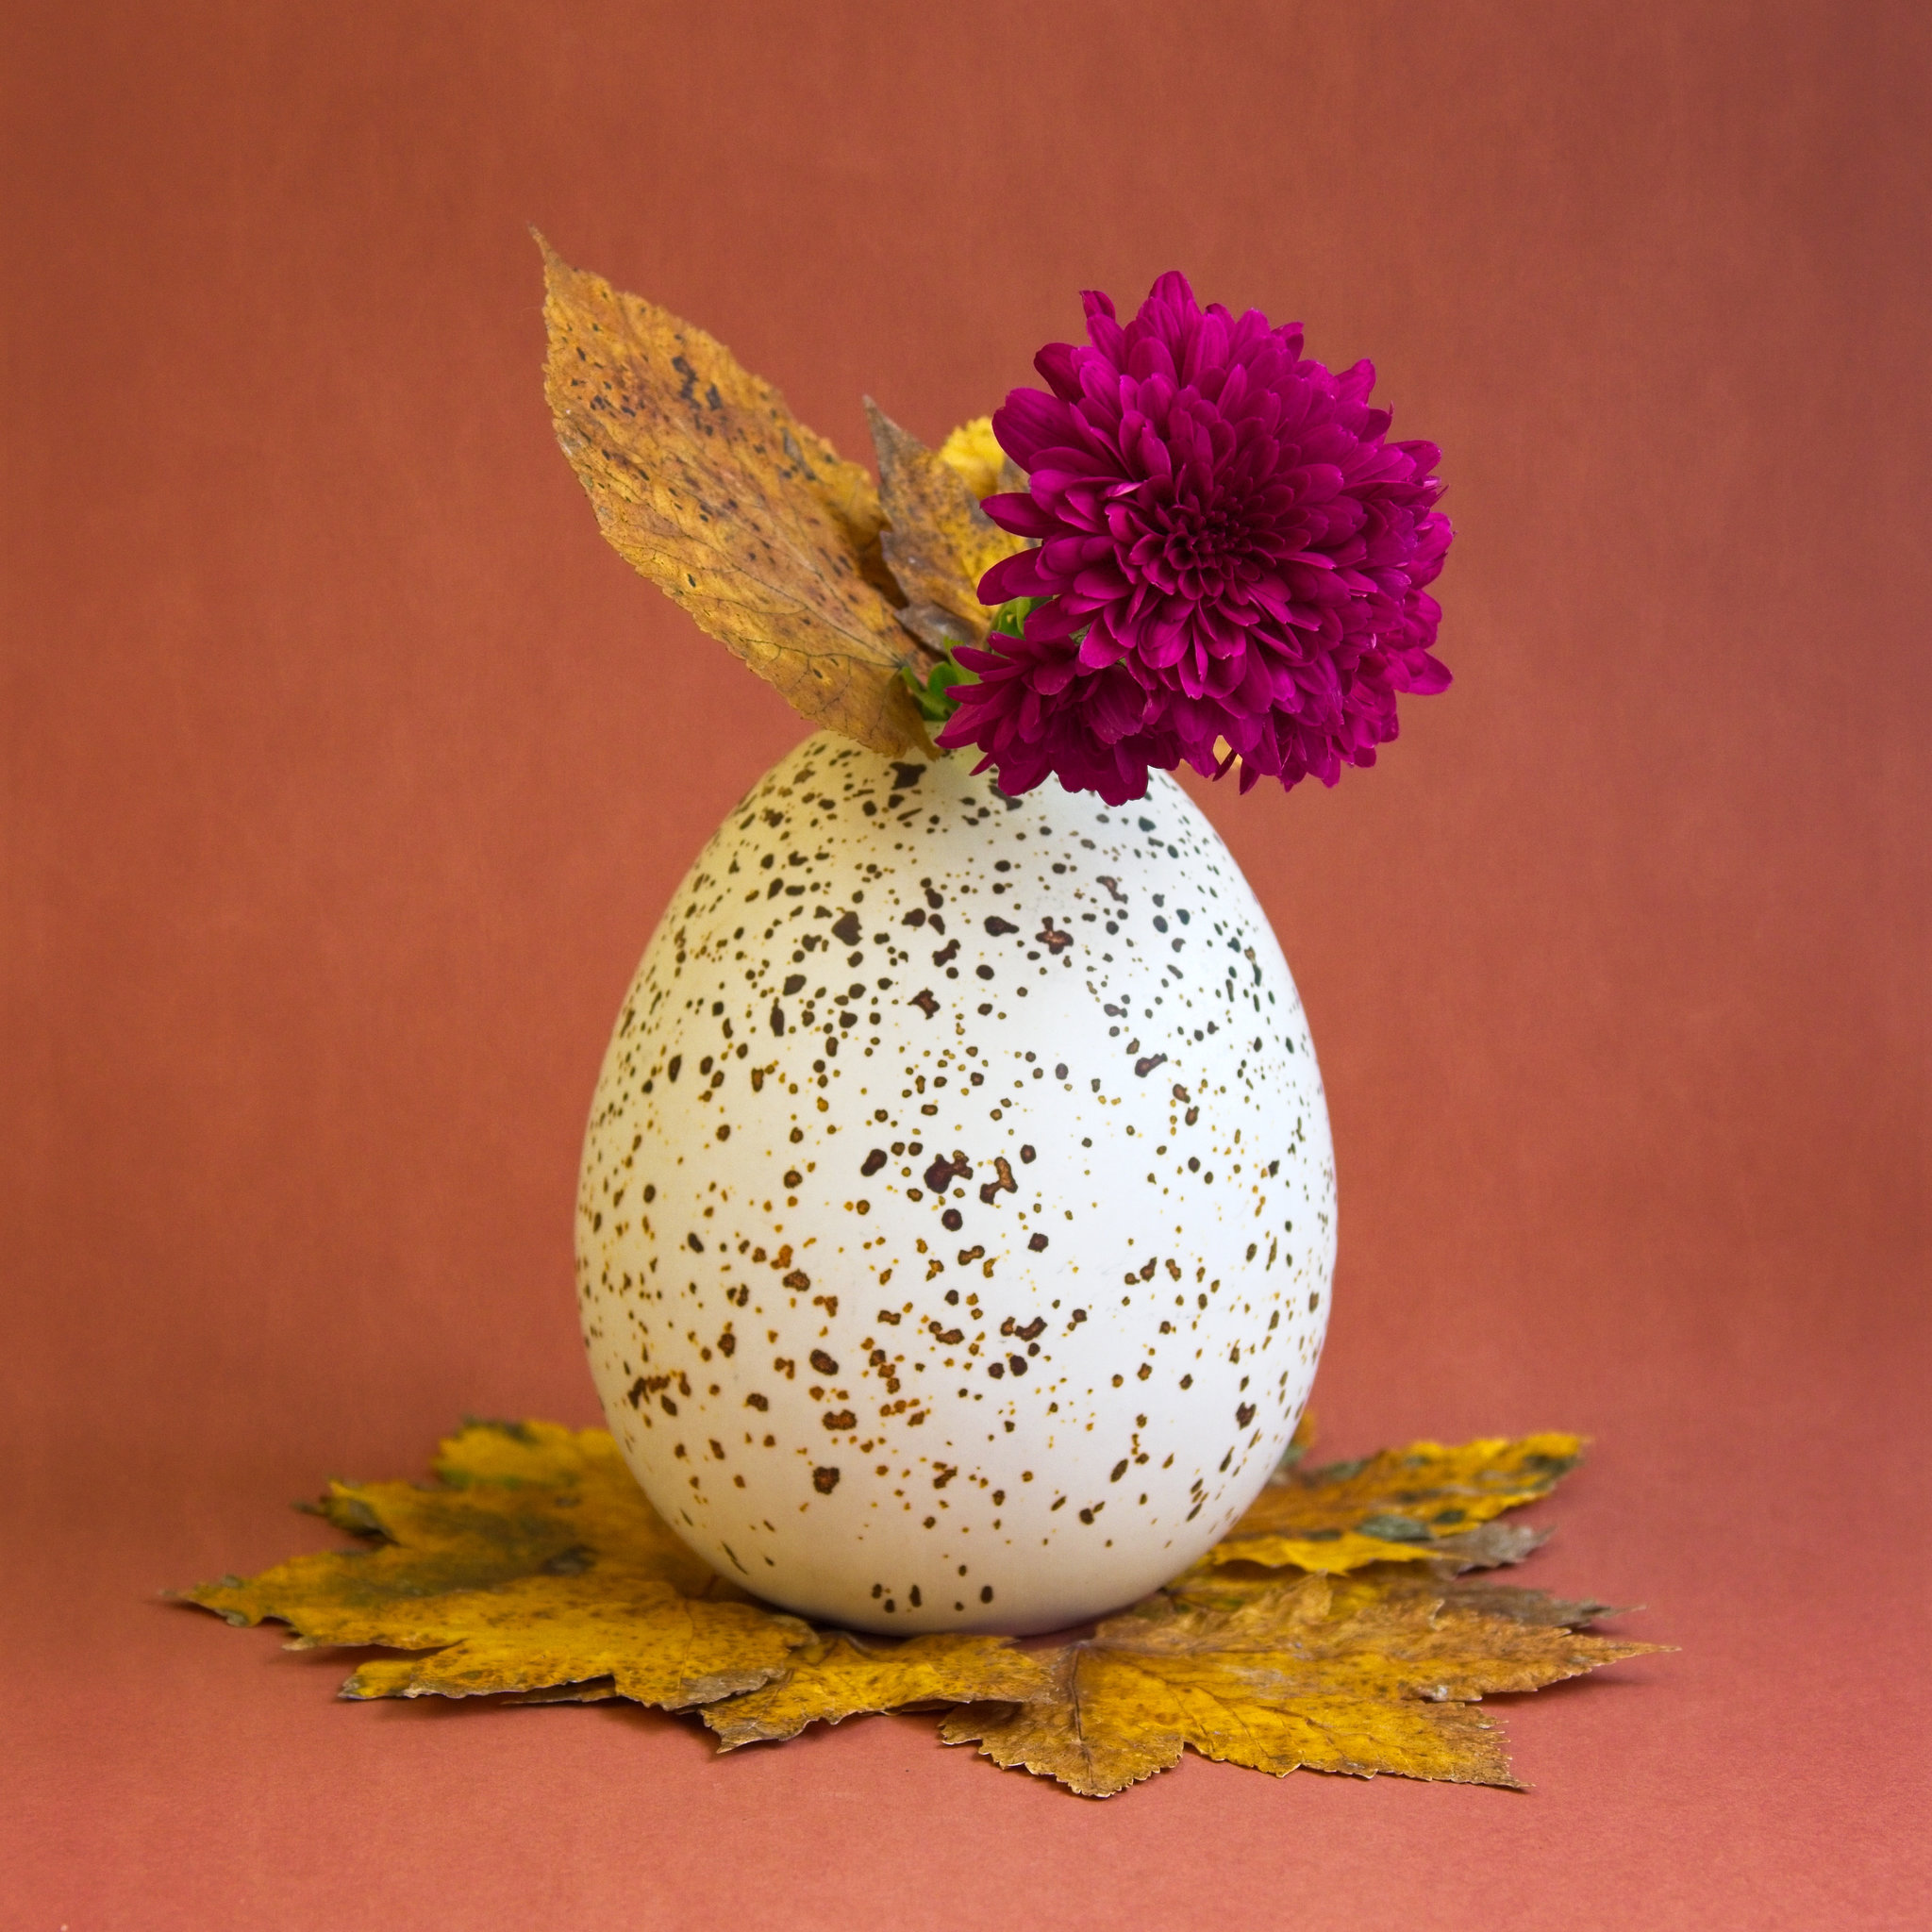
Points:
938	541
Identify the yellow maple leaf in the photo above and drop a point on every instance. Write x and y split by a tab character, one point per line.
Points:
704	480
537	1562
1423	1502
1364	1674
536	1568
938	541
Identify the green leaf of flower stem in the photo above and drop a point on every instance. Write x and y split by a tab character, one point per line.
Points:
934	693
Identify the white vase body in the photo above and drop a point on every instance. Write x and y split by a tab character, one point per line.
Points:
956	1219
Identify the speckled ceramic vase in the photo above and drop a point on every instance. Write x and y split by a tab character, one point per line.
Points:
958	1208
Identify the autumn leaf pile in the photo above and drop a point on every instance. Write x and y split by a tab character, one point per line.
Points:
1327	1630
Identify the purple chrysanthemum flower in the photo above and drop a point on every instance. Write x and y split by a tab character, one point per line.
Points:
1227	549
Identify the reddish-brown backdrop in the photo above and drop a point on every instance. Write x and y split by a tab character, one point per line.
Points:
346	772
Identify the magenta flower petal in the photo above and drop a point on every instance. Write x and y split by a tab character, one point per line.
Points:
1229	548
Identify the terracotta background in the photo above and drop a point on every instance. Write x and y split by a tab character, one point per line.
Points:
346	772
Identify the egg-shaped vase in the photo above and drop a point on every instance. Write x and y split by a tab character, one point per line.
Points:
957	1217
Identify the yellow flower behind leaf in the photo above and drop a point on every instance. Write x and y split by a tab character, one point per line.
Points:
973	451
